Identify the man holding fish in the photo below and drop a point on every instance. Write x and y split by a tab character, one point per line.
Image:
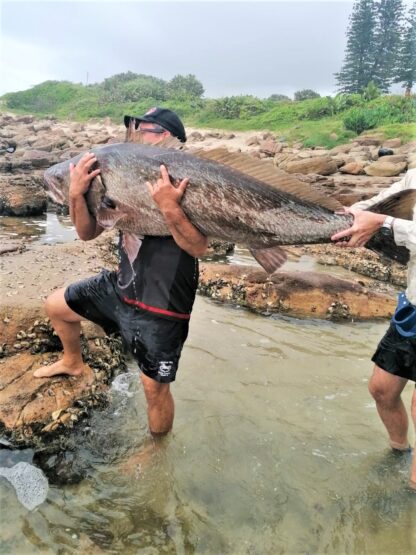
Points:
149	298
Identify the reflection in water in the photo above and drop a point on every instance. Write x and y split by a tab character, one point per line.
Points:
276	448
47	228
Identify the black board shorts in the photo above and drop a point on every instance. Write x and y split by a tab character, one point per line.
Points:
155	342
397	354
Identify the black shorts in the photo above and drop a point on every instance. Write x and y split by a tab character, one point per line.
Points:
155	342
397	354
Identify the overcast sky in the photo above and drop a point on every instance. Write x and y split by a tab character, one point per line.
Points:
256	48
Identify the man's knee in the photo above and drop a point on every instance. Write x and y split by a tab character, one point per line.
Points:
385	388
154	391
413	409
57	307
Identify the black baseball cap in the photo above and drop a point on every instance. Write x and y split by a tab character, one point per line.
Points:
163	117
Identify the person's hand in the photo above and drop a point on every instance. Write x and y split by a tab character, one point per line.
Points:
365	225
164	193
80	175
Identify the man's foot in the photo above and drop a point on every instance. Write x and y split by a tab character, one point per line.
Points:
58	368
400	446
412	485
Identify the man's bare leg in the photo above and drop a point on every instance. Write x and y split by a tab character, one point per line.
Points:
386	390
413	470
67	325
160	405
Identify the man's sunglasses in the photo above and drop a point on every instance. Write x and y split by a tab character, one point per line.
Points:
156	129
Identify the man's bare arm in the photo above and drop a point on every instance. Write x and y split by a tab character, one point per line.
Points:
168	199
81	177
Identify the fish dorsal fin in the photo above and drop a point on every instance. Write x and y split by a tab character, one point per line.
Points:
170	142
268	173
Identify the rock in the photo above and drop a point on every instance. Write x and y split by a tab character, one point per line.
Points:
196	136
384	152
270	148
252	141
28	340
322	165
29	406
392	143
307	294
340	149
412	162
353	168
368	141
22	195
384	168
394	158
39	158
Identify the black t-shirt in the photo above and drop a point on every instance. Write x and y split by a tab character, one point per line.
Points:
155	274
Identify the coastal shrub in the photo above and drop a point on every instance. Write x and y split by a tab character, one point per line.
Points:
382	111
236	107
359	120
318	108
305	94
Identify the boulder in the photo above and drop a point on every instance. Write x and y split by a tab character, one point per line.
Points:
392	143
323	165
22	195
32	409
40	158
353	168
385	168
305	294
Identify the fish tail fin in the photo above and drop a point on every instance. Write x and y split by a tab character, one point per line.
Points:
400	205
269	258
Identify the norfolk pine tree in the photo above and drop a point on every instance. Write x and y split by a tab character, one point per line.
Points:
406	63
359	59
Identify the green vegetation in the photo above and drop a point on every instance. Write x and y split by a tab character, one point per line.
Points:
381	47
313	121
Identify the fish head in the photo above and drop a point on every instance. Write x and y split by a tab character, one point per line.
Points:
57	182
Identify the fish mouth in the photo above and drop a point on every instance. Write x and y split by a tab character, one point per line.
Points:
54	189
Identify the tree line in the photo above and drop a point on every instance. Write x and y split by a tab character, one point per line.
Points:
381	47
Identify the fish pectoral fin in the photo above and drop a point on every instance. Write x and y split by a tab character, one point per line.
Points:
270	258
108	217
400	205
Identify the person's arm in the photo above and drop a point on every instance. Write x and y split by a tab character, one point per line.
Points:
80	180
168	199
366	224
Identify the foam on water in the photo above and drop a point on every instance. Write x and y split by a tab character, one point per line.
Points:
29	482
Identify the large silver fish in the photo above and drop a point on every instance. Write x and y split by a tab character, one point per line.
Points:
230	196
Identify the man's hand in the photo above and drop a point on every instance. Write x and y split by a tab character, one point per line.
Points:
365	225
166	195
80	175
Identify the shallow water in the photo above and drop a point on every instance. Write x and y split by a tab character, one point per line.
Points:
48	228
277	448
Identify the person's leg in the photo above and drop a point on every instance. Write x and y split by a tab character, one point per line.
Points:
66	324
413	471
160	405
386	390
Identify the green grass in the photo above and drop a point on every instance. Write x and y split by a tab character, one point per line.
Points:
314	122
